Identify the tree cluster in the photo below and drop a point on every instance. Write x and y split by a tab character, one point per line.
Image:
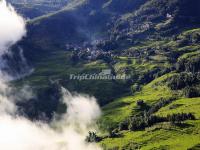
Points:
180	117
146	118
92	137
182	80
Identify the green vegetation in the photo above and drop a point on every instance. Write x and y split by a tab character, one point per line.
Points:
161	135
164	135
159	106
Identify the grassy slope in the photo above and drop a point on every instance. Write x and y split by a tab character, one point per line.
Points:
159	136
121	108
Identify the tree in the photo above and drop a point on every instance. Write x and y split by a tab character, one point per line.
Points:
92	137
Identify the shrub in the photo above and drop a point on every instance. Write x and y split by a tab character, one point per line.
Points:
92	137
191	92
123	125
178	118
143	121
182	80
160	104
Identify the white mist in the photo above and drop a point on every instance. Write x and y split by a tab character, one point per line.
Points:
19	133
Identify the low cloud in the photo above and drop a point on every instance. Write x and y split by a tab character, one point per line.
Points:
12	26
69	133
19	133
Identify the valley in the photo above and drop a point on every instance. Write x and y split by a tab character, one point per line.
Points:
157	43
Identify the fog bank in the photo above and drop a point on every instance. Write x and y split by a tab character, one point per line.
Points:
19	133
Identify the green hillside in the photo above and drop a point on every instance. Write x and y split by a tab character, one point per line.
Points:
157	43
160	135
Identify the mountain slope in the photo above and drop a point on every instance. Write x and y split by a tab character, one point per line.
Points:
156	42
88	21
31	8
173	93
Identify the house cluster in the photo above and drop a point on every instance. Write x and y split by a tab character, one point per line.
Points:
88	52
